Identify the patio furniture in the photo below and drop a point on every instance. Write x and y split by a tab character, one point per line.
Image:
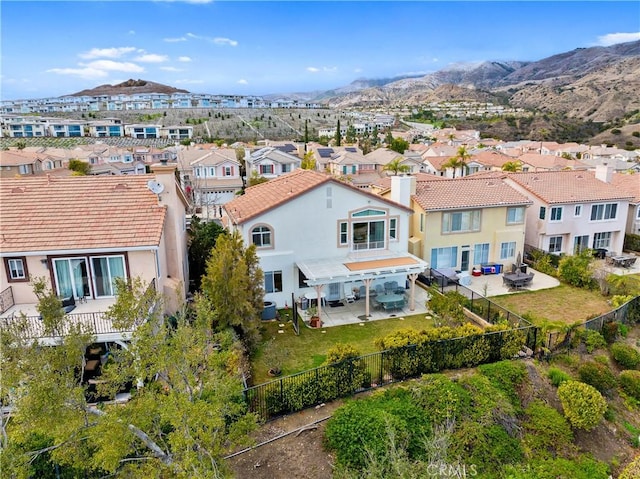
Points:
391	301
444	276
621	261
362	291
390	286
313	296
517	280
379	289
349	295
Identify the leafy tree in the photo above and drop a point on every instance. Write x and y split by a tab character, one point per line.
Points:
459	161
338	136
187	410
185	142
583	405
395	166
79	167
306	131
350	136
388	138
399	145
202	240
256	179
512	166
576	270
21	144
233	288
309	161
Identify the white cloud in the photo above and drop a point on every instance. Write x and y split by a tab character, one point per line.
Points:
357	70
323	69
613	38
216	40
110	65
184	59
132	32
171	69
225	41
152	58
175	39
242	81
106	52
89	73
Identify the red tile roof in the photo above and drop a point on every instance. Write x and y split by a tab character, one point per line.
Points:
261	198
629	184
467	193
81	212
568	186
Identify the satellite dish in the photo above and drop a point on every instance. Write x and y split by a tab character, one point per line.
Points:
155	186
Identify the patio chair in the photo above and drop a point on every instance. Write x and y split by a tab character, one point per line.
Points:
379	289
349	295
363	291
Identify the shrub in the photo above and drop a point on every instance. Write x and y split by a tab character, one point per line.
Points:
593	340
583	404
632	471
546	431
582	467
626	356
339	352
630	383
597	375
575	270
441	398
507	376
557	376
610	332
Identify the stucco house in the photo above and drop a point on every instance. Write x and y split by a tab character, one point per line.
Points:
317	235
464	223
80	233
573	210
270	162
630	184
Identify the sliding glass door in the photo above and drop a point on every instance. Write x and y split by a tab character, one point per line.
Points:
105	271
72	277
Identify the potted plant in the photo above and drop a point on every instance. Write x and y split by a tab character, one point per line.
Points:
314	319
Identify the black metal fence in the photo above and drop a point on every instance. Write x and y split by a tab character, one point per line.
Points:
628	313
326	383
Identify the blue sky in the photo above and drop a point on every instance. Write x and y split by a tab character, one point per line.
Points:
56	48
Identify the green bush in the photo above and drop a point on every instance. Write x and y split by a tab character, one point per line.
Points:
632	470
583	404
546	431
626	356
575	270
630	383
583	467
593	340
360	428
557	376
610	332
441	398
508	376
598	375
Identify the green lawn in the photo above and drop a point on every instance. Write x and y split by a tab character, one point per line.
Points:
560	305
309	350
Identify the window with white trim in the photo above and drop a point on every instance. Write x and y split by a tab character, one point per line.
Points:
105	270
272	281
261	236
507	250
266	169
227	171
16	269
577	211
605	211
556	214
515	215
602	240
393	228
555	244
444	257
344	233
481	253
461	221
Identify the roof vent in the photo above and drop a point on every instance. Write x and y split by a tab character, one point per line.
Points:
18	189
121	187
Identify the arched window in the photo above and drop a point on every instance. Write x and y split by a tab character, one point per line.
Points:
261	236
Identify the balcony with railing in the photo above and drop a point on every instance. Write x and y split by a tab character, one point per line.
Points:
90	314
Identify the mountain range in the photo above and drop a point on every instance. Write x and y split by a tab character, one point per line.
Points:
597	83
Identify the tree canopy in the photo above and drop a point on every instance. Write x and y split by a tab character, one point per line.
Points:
202	239
459	161
79	167
187	410
395	166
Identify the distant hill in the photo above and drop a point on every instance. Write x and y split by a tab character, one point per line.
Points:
598	83
130	87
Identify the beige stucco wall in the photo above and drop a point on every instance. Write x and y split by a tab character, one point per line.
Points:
493	230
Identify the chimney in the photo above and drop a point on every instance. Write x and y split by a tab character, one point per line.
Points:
402	188
604	173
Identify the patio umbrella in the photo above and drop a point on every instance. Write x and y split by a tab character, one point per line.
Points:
518	259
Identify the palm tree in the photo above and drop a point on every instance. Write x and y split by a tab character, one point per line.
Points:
458	161
512	166
396	166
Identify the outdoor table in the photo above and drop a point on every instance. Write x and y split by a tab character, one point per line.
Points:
623	261
391	301
517	280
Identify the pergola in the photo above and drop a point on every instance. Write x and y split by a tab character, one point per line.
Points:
322	271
